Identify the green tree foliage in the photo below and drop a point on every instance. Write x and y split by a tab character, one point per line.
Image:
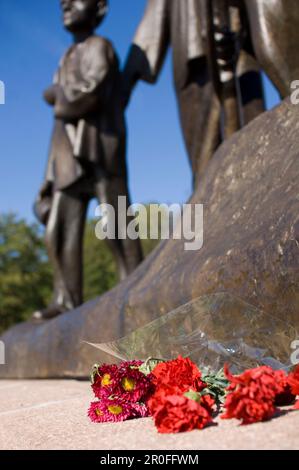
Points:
26	275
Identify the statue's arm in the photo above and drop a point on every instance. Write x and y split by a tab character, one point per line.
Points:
76	109
50	93
78	102
149	47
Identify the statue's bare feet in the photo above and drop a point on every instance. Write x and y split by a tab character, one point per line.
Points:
47	313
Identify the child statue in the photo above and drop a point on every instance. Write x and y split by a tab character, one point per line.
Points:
87	156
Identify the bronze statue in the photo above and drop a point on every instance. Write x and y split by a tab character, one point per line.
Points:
184	26
267	30
274	31
87	156
250	193
223	49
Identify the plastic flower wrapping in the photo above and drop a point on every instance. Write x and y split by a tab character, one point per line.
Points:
214	355
212	330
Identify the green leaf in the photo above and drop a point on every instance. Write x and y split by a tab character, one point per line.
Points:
192	395
148	366
94	372
216	384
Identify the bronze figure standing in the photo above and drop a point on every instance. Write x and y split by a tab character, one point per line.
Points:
268	30
183	25
88	153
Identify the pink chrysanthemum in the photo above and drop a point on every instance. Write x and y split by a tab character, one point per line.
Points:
95	412
133	385
107	411
141	410
105	381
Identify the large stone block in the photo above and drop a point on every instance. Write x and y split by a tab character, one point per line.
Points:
250	194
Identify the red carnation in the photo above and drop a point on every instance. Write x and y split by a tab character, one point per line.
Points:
293	381
181	373
252	394
160	395
177	413
286	397
173	411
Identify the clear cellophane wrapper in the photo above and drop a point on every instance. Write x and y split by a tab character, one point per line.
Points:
212	330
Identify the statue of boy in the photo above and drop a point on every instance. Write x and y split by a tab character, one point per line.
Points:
88	153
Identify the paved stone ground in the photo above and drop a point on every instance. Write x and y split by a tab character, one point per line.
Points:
52	415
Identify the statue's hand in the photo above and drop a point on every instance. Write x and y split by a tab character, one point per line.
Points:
45	190
50	95
43	202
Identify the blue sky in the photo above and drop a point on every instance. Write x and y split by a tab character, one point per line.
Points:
32	42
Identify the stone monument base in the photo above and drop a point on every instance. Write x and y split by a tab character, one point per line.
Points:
251	250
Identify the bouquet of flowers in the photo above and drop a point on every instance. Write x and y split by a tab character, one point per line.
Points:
211	331
179	397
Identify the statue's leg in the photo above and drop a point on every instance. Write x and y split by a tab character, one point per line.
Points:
127	252
251	87
200	109
64	241
274	29
200	117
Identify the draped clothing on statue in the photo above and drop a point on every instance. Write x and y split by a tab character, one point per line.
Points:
180	24
89	68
